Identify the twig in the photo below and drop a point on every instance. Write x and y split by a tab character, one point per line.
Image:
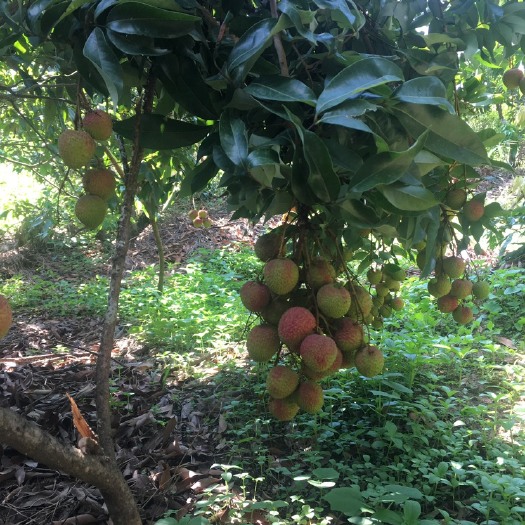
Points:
278	43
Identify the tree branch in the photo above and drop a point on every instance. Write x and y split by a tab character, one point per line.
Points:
278	43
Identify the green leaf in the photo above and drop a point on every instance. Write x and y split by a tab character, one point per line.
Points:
100	54
135	18
197	179
234	139
397	491
385	168
322	179
281	89
350	18
264	166
388	517
411	512
300	172
409	198
325	473
356	78
347	500
424	90
158	132
448	135
249	48
135	44
301	19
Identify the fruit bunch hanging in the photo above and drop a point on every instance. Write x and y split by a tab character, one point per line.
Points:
77	150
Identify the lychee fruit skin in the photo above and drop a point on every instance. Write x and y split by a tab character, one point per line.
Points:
310	397
511	78
394	272
193	214
454	266
463	315
283	409
374	276
317	376
281	275
473	210
318	352
349	335
456	198
267	246
319	273
397	304
333	301
281	381
275	309
369	361
98	124
262	343
90	211
76	148
255	296
207	223
439	286
461	288
198	223
203	214
295	324
481	290
361	304
447	304
100	182
6	316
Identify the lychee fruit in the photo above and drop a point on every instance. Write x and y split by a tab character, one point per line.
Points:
461	288
361	304
295	324
76	148
369	361
394	272
275	309
481	290
454	266
207	223
281	381
392	284
203	214
98	124
463	315
382	289
100	182
310	397
283	409
267	246
317	376
456	198
193	214
197	222
255	296
333	300
281	275
262	343
397	304
374	276
511	78
348	335
90	211
318	352
447	303
439	286
319	273
473	210
6	316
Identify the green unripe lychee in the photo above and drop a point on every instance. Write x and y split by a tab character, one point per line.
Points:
281	381
319	273
193	214
481	290
203	214
463	315
76	148
397	304
382	289
90	211
318	352
456	198
275	309
394	272
98	124
6	316
310	397
267	246
100	182
333	300
255	296
439	286
281	275
374	276
369	361
454	266
511	78
361	304
295	324
263	343
198	222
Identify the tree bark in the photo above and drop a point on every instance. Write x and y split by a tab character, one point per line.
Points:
29	439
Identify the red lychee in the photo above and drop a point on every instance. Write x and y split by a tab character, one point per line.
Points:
283	409
255	296
333	300
447	304
461	288
473	210
369	361
310	397
281	381
318	352
281	275
76	148
100	182
348	335
295	324
262	343
463	315
98	124
319	272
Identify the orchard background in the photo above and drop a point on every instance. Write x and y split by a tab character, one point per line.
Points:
346	348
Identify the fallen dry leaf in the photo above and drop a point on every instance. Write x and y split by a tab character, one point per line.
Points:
80	423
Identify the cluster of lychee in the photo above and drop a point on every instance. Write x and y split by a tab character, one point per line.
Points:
312	325
6	316
200	218
77	149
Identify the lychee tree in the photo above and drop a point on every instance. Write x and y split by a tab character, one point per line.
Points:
342	115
